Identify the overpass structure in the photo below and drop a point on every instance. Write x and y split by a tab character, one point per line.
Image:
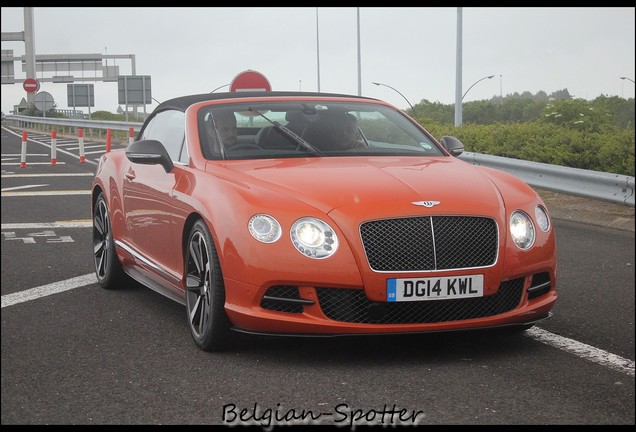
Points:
58	68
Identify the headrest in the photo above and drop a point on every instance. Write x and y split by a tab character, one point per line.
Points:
295	117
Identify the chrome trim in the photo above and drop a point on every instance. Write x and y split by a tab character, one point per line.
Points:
430	220
427	204
539	287
146	261
144	155
288	300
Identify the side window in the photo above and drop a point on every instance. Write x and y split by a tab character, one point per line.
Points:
168	127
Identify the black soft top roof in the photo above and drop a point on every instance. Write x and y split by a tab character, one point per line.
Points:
183	102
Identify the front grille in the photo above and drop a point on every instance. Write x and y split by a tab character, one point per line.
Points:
430	243
352	306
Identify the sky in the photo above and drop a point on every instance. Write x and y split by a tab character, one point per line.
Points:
412	51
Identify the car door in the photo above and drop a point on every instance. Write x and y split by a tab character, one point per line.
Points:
148	203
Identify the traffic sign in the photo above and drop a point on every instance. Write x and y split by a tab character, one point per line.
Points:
31	85
44	101
250	80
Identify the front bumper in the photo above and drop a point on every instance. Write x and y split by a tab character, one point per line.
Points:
325	311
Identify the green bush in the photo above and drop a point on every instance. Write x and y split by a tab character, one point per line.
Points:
611	150
555	129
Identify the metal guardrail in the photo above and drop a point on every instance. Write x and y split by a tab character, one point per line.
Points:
614	188
72	124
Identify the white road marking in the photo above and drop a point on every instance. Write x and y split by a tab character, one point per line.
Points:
11	156
45	193
582	350
32	163
80	223
49	175
22	187
59	150
46	290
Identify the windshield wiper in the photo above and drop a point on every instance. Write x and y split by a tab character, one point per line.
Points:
289	133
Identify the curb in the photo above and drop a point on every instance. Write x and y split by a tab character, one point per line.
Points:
588	211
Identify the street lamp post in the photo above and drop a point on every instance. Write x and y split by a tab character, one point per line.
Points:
487	77
458	110
628	79
500	91
219	87
395	90
317	51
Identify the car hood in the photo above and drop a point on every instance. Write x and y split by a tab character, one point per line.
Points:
378	186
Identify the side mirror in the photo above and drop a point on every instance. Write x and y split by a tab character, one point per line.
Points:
149	152
454	146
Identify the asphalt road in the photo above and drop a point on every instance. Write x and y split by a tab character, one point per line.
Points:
87	356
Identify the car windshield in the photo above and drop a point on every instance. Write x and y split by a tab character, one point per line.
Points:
309	129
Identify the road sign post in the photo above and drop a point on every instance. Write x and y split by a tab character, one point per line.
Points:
31	85
250	80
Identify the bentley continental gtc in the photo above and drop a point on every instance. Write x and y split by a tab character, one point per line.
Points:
316	214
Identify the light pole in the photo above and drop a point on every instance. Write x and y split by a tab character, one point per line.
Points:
317	51
459	105
219	87
628	79
395	90
458	69
487	77
359	56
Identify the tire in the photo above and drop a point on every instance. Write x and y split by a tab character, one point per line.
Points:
108	269
205	292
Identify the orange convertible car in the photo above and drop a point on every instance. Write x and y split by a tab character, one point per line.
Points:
318	214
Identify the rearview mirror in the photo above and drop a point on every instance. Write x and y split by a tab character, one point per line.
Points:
454	146
149	152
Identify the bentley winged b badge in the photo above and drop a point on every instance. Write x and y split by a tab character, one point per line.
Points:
427	204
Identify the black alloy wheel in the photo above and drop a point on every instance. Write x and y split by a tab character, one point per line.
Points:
108	269
205	292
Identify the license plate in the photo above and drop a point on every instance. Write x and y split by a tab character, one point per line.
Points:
437	288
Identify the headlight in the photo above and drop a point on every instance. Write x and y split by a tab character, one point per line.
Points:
264	228
542	218
521	230
314	238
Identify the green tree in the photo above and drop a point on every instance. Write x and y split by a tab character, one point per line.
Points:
436	111
621	110
577	114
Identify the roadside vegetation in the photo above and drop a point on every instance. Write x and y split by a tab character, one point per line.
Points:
556	129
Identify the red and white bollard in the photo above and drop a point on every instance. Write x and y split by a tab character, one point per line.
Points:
109	137
53	147
131	136
80	134
23	154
